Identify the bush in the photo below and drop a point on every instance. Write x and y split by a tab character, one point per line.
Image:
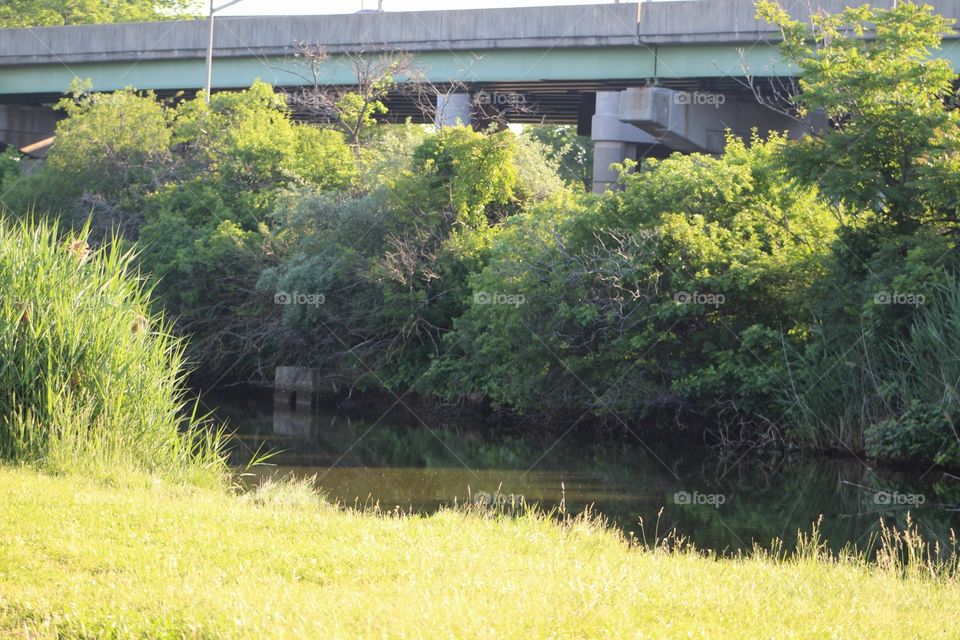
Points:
924	432
394	264
865	362
89	379
670	294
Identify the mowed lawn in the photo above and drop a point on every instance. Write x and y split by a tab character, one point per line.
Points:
80	558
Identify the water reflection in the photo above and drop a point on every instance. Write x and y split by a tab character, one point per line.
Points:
362	458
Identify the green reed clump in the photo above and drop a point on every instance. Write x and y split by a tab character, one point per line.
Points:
90	380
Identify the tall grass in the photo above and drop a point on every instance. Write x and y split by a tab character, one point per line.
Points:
90	381
836	392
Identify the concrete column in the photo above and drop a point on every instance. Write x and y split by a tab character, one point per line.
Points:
613	141
697	121
453	109
21	125
606	153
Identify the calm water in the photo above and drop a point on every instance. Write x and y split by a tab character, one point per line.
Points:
724	504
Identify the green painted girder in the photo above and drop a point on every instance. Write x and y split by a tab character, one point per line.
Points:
496	65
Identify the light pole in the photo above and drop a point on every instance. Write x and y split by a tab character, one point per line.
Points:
213	10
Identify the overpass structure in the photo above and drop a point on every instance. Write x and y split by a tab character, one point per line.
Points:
640	78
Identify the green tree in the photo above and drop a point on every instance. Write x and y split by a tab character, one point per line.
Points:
670	294
196	184
41	13
891	165
394	264
572	153
895	132
113	147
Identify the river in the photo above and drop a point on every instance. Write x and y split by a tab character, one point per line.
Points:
718	502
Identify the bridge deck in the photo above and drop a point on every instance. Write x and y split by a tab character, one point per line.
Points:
594	45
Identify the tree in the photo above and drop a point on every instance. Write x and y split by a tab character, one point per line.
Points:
196	184
572	153
667	295
41	13
353	110
394	264
894	141
111	150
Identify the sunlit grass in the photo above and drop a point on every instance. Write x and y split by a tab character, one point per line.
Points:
82	559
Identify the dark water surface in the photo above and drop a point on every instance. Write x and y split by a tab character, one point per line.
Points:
717	502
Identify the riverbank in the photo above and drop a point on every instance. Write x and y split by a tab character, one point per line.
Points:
80	558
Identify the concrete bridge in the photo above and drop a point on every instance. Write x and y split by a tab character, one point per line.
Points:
640	78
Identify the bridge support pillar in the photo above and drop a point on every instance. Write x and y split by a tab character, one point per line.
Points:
698	121
453	109
613	140
21	125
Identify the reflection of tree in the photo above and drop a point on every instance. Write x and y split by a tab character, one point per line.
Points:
765	505
767	496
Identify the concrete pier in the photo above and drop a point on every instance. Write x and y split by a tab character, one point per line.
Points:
302	389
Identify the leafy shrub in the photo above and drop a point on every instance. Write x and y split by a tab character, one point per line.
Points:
572	154
609	319
196	184
923	432
9	169
865	361
394	264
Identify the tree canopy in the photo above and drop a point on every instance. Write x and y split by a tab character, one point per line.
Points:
53	13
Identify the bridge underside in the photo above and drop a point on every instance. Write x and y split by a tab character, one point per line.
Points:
563	102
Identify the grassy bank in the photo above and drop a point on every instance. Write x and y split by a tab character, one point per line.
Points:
83	559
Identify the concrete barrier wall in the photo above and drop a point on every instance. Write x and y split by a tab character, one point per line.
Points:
726	21
568	26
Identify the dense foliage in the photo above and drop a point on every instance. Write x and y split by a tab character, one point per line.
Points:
881	347
666	294
42	13
90	379
786	290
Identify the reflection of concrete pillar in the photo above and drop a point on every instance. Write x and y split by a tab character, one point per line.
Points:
294	424
613	141
453	108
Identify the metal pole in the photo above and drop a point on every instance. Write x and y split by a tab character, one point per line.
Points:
209	56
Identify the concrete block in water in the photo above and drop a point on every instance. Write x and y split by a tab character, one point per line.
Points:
301	388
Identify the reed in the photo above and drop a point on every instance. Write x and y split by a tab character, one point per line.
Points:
840	389
90	380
